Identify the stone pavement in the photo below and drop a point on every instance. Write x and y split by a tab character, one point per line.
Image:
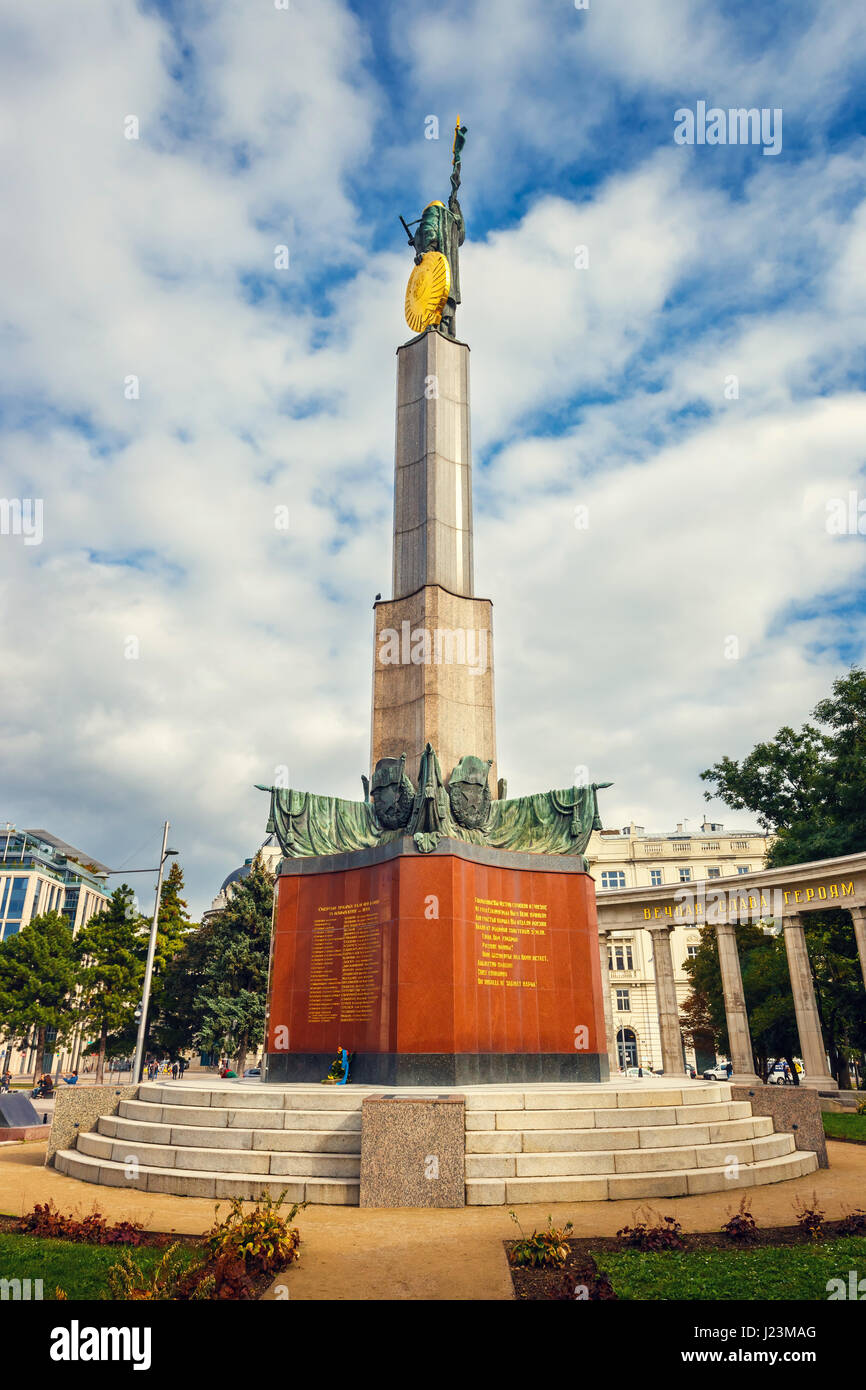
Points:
353	1253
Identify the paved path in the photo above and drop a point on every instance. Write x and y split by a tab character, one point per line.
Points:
352	1253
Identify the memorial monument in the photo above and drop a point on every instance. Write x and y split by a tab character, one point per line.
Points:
440	931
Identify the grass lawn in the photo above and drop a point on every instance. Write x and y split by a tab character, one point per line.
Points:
843	1126
798	1271
80	1270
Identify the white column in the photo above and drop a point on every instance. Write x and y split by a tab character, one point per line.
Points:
666	999
736	1018
858	917
812	1048
610	1031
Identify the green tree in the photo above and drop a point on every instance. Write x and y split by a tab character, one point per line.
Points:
37	979
808	788
765	985
172	929
234	987
182	1002
111	972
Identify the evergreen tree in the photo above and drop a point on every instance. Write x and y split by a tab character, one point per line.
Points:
37	979
172	928
234	987
182	1001
111	974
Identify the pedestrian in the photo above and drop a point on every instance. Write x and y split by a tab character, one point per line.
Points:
6	1080
174	1071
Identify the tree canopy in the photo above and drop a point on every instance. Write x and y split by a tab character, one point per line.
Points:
807	787
37	979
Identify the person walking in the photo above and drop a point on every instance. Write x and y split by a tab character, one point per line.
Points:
174	1071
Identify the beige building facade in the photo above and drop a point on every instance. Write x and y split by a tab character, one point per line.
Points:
631	858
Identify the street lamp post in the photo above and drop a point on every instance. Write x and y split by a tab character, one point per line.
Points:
151	951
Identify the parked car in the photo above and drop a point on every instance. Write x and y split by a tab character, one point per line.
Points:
717	1073
780	1076
252	1073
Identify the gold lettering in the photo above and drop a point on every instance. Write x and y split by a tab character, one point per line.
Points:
647	913
834	890
810	893
787	895
847	889
796	895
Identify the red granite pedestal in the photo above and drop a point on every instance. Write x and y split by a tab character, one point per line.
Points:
462	966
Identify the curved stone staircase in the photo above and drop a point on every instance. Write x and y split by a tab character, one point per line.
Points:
523	1143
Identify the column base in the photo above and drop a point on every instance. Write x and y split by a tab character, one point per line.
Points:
744	1078
820	1083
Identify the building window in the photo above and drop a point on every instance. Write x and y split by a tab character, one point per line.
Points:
691	952
623	1002
714	873
742	868
685	875
6	885
620	957
10	929
613	878
655	877
17	896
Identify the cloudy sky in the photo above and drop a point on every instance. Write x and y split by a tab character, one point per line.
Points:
696	388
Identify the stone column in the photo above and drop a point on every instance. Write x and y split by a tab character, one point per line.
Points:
609	1027
812	1048
736	1018
666	998
858	917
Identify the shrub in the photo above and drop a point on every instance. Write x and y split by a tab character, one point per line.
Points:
665	1233
742	1226
861	1108
46	1220
853	1223
258	1242
172	1278
548	1247
809	1218
590	1286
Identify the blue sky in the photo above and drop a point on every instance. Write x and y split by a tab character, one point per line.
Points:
607	387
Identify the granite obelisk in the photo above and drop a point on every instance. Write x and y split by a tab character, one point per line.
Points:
433	651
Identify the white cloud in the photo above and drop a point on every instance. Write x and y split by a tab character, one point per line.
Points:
127	257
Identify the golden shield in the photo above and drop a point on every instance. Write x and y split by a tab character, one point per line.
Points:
427	291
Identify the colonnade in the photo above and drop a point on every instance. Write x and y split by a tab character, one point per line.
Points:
812	1049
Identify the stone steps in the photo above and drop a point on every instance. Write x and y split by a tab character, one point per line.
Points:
665	1136
497	1192
296	1141
522	1144
246	1161
184	1182
611	1161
